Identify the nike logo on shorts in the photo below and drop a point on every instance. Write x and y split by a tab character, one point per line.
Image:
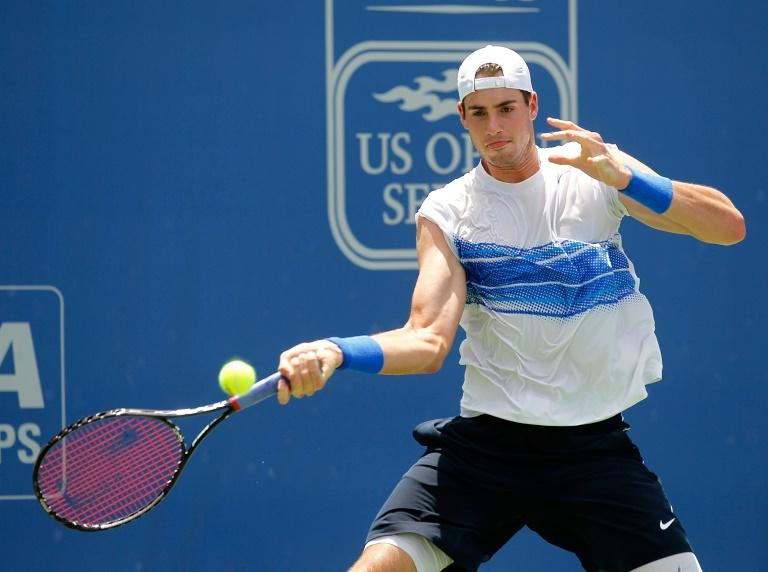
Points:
666	525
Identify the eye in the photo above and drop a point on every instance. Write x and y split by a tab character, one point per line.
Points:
478	112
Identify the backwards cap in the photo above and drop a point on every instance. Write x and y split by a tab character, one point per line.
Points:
514	69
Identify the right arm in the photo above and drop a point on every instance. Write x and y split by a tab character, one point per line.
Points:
420	346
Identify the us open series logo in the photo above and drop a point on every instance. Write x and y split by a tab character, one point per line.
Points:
32	405
393	129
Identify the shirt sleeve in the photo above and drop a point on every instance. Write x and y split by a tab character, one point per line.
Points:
435	209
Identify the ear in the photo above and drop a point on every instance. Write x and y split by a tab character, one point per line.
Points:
463	119
533	105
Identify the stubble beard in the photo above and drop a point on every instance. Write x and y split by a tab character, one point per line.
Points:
513	156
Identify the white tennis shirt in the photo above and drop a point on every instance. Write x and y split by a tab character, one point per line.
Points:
557	331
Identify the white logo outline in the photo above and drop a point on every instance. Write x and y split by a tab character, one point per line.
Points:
340	75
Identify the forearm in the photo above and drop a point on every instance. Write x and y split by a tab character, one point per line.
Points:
706	214
411	350
697	210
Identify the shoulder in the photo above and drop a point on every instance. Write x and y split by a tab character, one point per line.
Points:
446	206
455	190
449	200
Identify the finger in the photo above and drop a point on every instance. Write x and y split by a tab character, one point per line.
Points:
310	372
566	134
307	371
283	392
314	371
563	159
297	381
307	358
563	123
591	143
284	365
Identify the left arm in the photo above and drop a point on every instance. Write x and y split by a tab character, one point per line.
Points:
696	210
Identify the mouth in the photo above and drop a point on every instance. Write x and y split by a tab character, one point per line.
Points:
497	144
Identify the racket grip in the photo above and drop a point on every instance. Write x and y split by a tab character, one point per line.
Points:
260	391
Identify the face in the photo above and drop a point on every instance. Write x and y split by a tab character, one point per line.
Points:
500	125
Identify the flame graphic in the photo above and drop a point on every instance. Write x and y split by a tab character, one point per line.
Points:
425	95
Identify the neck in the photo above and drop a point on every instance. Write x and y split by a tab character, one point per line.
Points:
516	172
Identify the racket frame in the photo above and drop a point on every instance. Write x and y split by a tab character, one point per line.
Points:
259	392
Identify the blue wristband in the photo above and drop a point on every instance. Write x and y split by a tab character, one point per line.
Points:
361	353
652	191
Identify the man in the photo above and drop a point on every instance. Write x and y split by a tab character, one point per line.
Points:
524	253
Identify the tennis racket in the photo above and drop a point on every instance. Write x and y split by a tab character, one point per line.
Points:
115	466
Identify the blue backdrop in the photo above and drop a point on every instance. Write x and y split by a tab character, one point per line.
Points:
182	182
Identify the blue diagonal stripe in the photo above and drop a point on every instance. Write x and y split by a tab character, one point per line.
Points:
559	279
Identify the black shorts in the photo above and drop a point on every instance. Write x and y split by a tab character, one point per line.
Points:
584	489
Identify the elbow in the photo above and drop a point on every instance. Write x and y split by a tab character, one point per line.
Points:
439	349
740	229
735	231
435	364
730	230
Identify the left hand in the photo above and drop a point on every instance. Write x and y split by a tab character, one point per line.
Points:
595	158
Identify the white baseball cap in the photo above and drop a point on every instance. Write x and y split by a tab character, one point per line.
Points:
514	69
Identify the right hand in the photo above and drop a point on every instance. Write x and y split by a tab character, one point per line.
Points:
307	368
595	158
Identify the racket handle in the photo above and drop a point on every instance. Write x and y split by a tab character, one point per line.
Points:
260	391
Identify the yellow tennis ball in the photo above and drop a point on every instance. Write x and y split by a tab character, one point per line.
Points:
236	377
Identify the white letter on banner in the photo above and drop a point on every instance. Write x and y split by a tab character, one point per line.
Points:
402	153
391	201
455	150
33	447
365	154
398	150
25	381
417	192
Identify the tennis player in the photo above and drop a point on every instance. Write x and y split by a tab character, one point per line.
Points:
524	252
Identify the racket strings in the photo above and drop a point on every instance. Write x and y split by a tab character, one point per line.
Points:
109	469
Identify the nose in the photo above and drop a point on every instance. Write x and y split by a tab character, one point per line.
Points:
494	124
